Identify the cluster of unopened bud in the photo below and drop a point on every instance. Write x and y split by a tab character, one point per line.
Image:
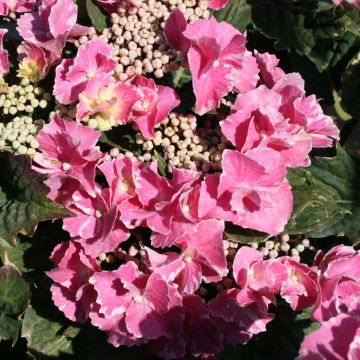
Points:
24	98
284	245
183	144
19	135
115	153
137	39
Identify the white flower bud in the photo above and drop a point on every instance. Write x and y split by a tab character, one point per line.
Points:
34	144
22	150
31	152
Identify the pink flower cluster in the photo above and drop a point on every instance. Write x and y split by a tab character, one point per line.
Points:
354	3
154	298
19	6
337	307
87	80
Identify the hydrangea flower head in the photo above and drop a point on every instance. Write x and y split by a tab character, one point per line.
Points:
72	75
157	203
217	58
257	122
155	103
52	25
300	288
19	6
338	282
71	291
4	56
134	300
202	257
69	148
108	102
249	190
34	61
338	338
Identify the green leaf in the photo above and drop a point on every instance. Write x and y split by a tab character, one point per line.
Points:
23	201
237	13
44	336
32	254
14	291
180	77
244	236
303	320
121	137
161	163
9	328
326	197
310	28
98	19
14	298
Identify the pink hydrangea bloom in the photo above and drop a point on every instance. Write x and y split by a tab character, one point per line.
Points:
157	203
173	31
219	63
217	4
269	71
52	25
257	122
18	6
196	336
202	257
249	191
36	60
69	148
336	339
217	58
134	301
155	103
108	101
265	277
299	289
4	55
119	176
338	282
203	338
173	345
110	6
72	75
354	3
318	125
239	314
305	111
95	223
71	291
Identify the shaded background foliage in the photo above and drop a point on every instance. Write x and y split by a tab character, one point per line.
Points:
311	37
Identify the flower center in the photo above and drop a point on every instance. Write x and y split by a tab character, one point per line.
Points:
145	104
90	74
138	298
98	213
294	278
66	166
186	208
